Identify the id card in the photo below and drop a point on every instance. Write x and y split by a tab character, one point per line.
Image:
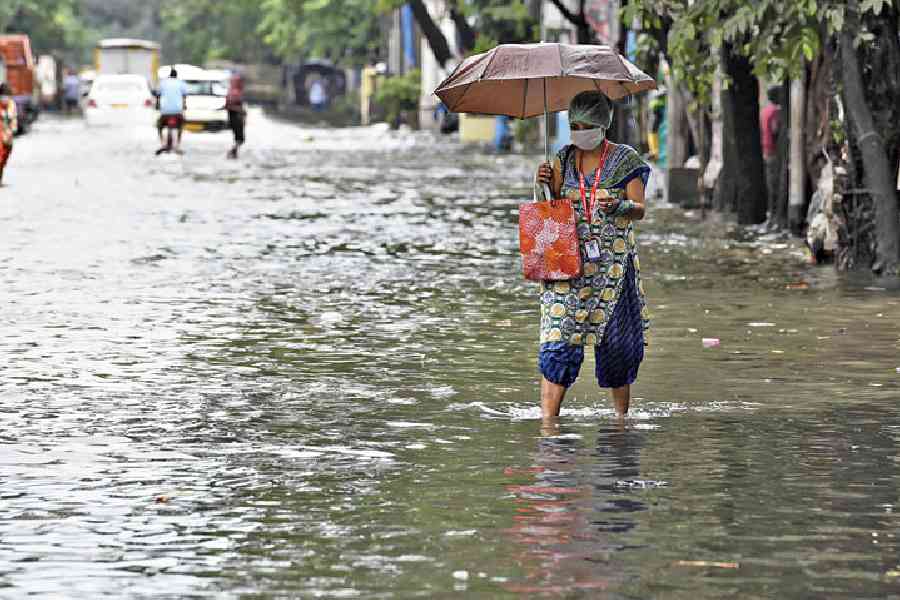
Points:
592	247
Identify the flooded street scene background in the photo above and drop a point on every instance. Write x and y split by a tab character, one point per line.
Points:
312	373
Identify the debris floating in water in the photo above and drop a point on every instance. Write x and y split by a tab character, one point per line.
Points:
711	342
706	563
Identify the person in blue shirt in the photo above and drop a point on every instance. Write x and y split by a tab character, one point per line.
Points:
71	91
172	104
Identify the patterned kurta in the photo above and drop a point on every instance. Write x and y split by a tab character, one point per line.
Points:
577	311
7	116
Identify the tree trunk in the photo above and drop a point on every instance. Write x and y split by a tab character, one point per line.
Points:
678	134
743	150
879	175
582	27
436	40
465	31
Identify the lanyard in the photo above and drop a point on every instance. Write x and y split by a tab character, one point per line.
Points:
589	207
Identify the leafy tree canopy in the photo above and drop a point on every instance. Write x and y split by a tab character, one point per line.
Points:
344	31
776	35
53	25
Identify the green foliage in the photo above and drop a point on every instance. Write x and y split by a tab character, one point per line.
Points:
501	22
344	31
778	36
197	31
52	25
494	21
398	93
528	132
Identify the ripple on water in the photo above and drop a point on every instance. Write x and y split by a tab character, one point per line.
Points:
307	375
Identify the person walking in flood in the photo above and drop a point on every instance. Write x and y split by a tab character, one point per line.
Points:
8	125
605	308
237	115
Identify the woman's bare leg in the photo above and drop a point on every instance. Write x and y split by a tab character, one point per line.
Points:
552	395
622	399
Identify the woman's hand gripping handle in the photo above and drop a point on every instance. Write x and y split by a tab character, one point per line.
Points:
543	182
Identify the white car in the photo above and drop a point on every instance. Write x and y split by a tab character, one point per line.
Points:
120	100
205	100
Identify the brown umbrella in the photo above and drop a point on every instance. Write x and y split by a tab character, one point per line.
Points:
526	80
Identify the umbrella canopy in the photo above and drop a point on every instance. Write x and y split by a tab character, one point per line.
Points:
526	80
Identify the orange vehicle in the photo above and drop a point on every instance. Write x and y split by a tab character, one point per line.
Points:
15	51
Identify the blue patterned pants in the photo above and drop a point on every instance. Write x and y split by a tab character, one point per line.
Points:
618	356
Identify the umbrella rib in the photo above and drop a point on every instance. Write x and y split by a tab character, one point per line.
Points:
461	98
627	70
561	68
524	98
488	65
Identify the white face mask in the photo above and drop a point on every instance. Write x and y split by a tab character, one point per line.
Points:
588	139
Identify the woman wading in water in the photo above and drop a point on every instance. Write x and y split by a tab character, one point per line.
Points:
605	307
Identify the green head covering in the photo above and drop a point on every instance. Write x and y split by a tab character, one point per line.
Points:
591	108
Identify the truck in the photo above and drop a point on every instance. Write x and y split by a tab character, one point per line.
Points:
15	49
121	56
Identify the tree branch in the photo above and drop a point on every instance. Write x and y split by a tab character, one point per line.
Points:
577	20
466	33
432	32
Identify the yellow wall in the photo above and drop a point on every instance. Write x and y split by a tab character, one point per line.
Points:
474	128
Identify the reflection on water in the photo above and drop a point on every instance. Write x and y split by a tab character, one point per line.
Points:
313	374
569	520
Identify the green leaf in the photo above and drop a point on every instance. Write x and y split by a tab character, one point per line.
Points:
873	6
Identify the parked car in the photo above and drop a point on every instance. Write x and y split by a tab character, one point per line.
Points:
20	75
207	89
120	99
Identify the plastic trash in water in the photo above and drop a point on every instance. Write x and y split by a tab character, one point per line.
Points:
711	342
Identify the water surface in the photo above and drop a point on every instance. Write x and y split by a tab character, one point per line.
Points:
312	373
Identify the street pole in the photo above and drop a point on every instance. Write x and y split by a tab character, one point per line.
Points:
796	192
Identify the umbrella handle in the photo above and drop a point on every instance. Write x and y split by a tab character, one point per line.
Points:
546	125
542	192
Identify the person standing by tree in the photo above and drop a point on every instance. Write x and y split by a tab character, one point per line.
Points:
769	124
237	115
8	125
318	96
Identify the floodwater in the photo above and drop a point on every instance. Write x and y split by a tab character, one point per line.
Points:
311	373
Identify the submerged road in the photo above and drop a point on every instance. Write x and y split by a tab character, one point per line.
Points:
311	373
